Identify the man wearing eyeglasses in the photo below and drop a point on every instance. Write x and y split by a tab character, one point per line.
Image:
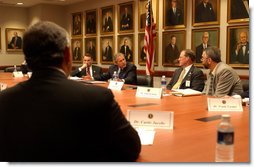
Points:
222	80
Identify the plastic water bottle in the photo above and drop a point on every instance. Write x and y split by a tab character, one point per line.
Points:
115	76
225	140
15	68
163	84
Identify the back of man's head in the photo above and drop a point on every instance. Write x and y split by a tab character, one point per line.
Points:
214	53
44	45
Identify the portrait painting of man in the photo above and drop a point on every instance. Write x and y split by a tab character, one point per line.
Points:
125	45
107	50
238	10
107	18
91	22
77	24
126	17
91	47
14	39
142	12
77	51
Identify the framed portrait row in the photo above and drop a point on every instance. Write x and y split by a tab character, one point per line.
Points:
204	13
237	50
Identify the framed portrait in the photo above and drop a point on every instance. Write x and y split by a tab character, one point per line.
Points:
14	39
141	51
238	46
126	47
107	20
126	17
77	50
205	13
107	49
0	40
91	22
203	38
172	44
238	11
174	14
142	8
91	47
77	24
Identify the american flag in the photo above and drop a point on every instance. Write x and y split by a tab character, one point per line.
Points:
149	39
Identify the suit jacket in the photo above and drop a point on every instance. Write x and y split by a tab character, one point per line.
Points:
199	52
205	14
226	81
108	54
171	54
175	18
240	57
97	71
18	43
76	53
129	73
128	54
194	75
108	27
238	10
126	19
92	51
63	120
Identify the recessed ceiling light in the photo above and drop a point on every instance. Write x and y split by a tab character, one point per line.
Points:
20	3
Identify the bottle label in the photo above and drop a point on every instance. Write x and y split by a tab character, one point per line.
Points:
226	138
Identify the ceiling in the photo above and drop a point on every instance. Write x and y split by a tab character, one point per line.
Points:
29	3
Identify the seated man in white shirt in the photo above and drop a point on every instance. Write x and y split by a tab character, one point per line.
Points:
88	71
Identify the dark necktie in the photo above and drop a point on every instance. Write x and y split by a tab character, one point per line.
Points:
88	71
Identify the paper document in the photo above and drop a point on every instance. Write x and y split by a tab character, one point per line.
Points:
146	136
186	92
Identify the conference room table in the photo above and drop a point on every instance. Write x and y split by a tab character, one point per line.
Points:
190	140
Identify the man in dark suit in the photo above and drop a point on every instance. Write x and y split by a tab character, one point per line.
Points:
126	20
108	23
241	50
108	53
88	70
61	120
175	15
192	77
77	51
200	48
205	12
127	72
16	42
239	9
125	49
171	51
91	50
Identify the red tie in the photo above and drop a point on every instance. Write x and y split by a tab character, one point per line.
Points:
88	71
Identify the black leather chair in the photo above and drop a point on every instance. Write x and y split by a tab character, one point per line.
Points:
245	85
144	80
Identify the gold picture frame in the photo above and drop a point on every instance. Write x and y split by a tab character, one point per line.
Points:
91	22
211	36
14	39
142	7
171	54
77	24
174	18
91	47
126	17
107	15
238	11
237	52
77	49
142	54
204	17
107	49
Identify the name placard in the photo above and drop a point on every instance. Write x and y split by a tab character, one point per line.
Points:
17	74
115	85
224	104
149	92
151	119
3	86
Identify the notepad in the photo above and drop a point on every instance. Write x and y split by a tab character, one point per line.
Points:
186	92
